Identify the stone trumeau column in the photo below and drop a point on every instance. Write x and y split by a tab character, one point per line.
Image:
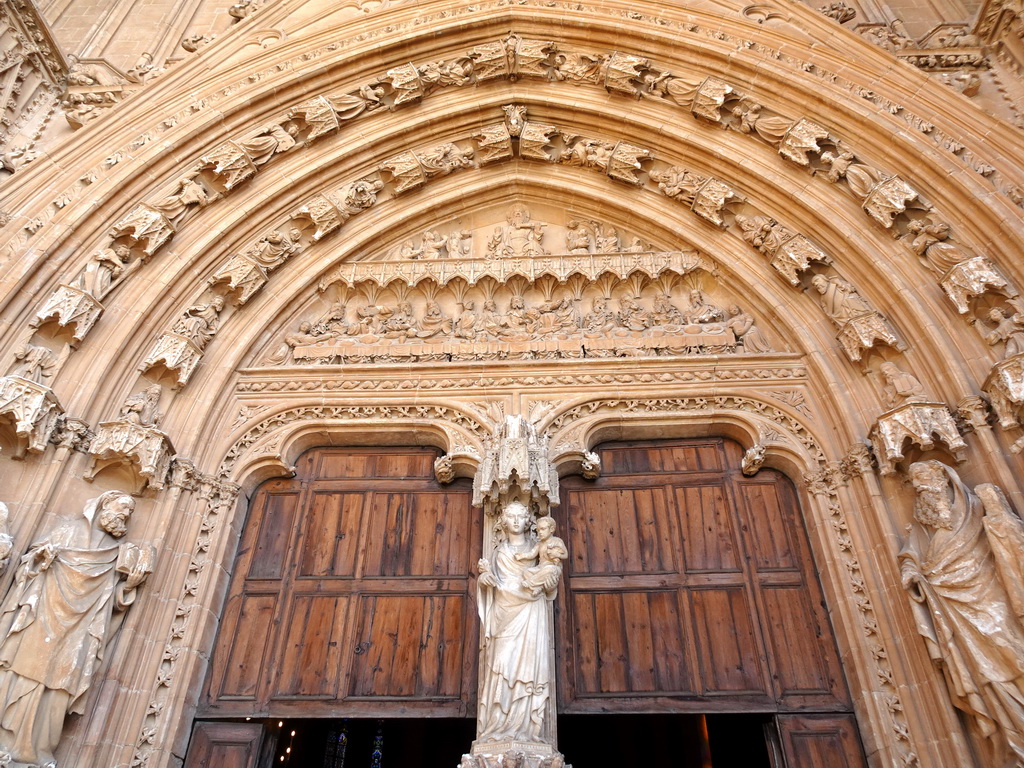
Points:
518	581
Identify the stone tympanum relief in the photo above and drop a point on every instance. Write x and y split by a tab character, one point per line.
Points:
66	590
518	581
912	417
529	289
961	566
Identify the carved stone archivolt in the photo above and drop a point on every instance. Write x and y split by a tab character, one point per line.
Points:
150	225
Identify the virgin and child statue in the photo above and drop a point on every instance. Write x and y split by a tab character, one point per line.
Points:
516	586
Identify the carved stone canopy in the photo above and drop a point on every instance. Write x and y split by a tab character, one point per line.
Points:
146	449
516	457
33	408
922	424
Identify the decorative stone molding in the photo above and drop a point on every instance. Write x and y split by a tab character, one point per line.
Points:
146	449
33	408
466	433
921	423
219	497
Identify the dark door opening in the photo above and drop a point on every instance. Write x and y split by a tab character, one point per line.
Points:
665	740
371	743
624	741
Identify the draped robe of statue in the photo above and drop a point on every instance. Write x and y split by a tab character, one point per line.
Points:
517	660
53	627
966	589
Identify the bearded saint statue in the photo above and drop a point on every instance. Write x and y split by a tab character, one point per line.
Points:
961	568
55	623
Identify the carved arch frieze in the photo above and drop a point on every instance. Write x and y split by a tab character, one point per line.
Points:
272	442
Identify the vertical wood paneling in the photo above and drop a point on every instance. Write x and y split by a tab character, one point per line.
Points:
620	531
410	646
771	527
245	644
275	527
310	660
709	539
729	652
799	650
330	540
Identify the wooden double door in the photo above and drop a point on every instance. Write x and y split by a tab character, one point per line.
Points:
689	589
350	594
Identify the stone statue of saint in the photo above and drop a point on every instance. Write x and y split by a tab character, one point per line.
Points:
900	387
961	567
517	664
839	298
143	408
55	622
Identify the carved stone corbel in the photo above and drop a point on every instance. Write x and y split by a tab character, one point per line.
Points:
862	332
1005	388
34	409
70	307
973	277
444	469
753	459
921	423
177	353
147	449
709	99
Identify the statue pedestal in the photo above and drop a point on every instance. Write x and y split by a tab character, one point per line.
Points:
501	747
512	754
